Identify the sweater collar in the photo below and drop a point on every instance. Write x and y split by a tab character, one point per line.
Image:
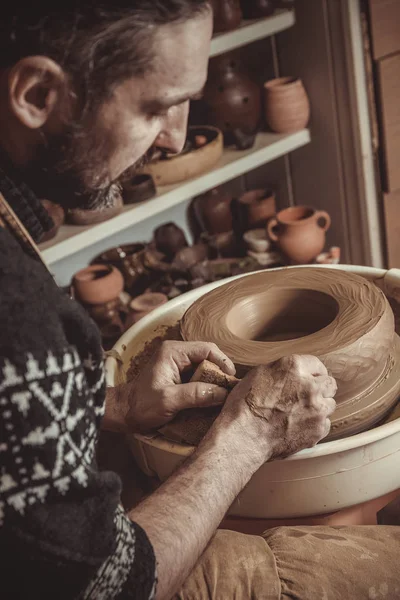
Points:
23	201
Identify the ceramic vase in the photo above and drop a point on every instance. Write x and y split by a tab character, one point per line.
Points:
227	15
299	232
287	108
233	101
213	211
169	239
256	9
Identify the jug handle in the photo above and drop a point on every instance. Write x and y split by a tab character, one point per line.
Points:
321	214
272	224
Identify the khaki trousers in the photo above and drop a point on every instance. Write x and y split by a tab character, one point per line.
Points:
299	563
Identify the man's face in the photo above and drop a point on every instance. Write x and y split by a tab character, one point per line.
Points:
82	165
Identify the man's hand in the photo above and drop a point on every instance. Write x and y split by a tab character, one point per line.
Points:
282	408
158	394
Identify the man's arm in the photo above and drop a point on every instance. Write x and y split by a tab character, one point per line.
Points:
273	412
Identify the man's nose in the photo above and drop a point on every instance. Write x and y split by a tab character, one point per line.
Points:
173	134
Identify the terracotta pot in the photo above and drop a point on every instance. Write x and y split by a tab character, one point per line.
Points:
169	239
299	231
129	259
143	305
98	284
256	9
287	108
213	211
233	101
57	214
227	15
139	188
254	208
200	158
78	216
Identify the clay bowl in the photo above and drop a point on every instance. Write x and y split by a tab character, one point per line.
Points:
79	216
138	189
340	318
191	163
98	284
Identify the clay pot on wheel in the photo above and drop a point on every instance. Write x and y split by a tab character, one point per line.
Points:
98	284
257	9
299	232
169	239
227	15
233	101
287	108
57	214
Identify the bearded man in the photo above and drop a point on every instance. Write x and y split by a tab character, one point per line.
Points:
86	91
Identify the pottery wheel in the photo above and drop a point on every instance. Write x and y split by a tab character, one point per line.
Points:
342	318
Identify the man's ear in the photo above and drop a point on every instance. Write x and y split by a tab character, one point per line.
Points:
37	85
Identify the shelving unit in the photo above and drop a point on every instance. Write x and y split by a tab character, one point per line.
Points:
71	239
268	146
251	31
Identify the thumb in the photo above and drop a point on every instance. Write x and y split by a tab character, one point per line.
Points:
197	394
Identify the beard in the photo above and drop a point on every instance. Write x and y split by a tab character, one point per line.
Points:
72	170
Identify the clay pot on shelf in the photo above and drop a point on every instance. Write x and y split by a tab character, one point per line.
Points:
287	108
227	15
98	284
213	211
253	209
80	216
169	239
129	259
257	9
143	305
57	214
299	232
188	257
197	158
138	189
233	101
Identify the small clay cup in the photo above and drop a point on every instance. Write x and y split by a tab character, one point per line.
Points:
169	239
255	208
57	214
138	189
79	216
287	108
98	284
256	240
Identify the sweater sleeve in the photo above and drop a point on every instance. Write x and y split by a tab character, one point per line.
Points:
63	533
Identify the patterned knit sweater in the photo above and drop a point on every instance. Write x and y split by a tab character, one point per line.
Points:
63	534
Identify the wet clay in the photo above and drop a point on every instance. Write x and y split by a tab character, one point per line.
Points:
343	319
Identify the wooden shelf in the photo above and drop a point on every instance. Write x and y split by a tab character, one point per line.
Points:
250	31
71	239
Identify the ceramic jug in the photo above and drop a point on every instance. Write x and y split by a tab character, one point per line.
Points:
227	15
255	9
233	101
287	108
299	232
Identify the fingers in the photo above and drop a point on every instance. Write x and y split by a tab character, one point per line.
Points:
198	394
326	385
188	353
